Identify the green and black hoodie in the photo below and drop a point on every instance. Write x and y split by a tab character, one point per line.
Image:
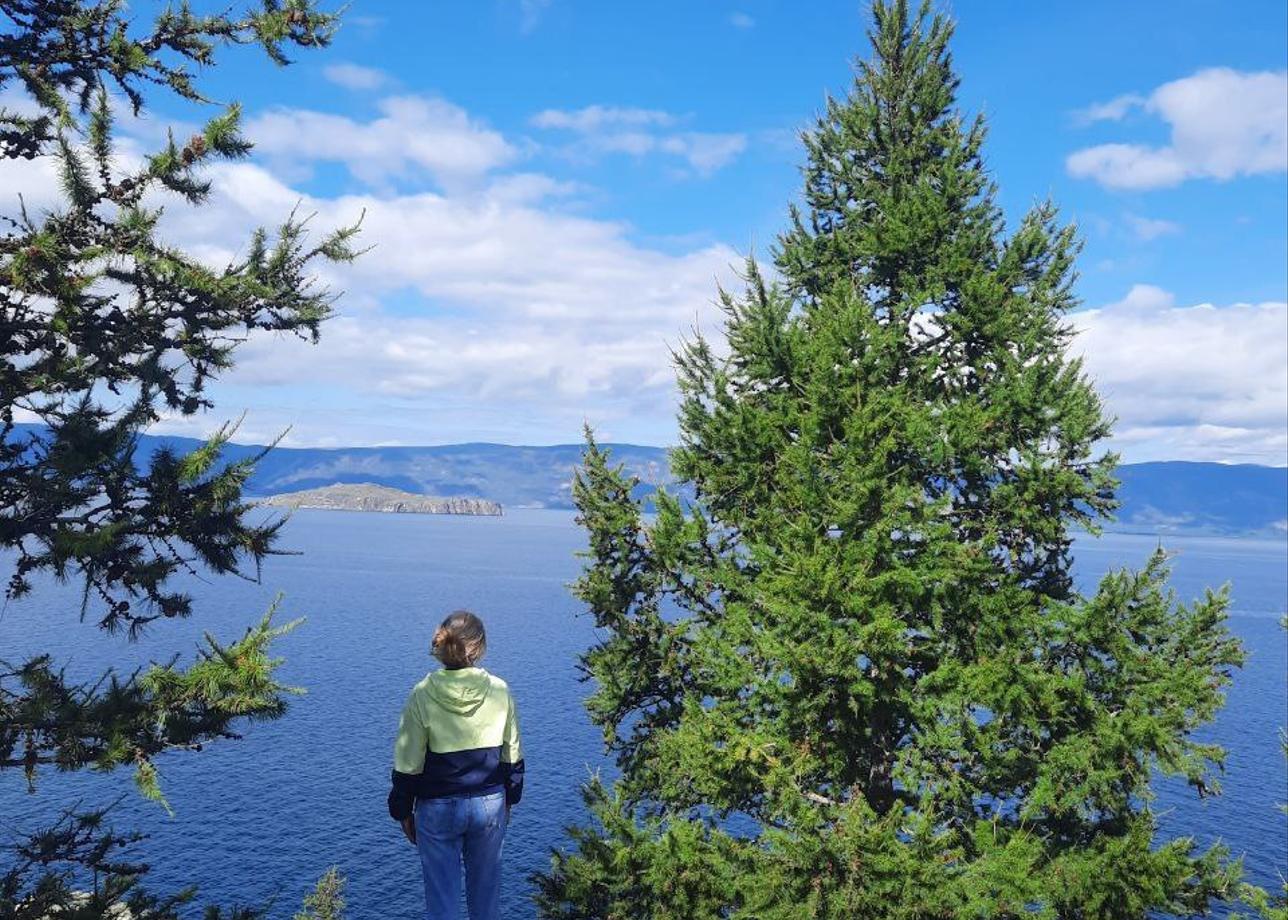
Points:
458	737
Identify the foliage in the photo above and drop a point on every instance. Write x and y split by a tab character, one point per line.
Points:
104	327
853	677
47	874
129	720
326	901
82	841
1264	904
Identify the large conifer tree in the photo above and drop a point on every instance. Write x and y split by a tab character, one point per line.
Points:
104	326
852	676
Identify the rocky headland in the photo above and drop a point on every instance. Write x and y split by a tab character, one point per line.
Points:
370	497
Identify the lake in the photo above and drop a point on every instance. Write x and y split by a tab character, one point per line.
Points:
266	815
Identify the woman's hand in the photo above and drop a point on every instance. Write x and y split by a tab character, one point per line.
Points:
409	828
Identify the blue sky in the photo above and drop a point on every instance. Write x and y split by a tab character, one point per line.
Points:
762	69
555	187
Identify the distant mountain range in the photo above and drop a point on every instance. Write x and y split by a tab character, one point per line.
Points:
1161	497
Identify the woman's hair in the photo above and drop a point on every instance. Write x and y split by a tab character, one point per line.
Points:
460	640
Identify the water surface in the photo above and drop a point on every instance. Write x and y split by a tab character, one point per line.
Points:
266	815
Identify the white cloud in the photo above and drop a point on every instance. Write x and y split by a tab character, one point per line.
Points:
532	366
607	129
742	21
1113	110
1150	228
354	76
1224	123
1191	383
705	152
414	136
492	309
599	117
478	307
35	180
366	24
1127	166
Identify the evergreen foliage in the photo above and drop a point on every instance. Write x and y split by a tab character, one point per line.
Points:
45	720
853	676
103	327
326	901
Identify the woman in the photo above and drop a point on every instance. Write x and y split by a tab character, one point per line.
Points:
458	769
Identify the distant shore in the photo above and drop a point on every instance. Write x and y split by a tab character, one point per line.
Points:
382	499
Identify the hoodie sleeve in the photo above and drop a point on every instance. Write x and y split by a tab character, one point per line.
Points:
512	756
409	759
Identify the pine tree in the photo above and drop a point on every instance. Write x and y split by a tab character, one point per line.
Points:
104	326
846	672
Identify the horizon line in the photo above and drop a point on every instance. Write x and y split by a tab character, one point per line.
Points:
580	445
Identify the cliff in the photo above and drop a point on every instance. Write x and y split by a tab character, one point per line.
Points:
370	497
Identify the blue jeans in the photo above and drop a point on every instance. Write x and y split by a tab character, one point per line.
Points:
446	831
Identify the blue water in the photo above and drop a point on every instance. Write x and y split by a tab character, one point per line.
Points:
266	815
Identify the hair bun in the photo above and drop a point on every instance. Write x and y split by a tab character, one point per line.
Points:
460	640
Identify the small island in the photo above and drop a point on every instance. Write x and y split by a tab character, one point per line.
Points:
367	496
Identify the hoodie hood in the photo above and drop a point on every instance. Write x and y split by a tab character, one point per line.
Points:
461	691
